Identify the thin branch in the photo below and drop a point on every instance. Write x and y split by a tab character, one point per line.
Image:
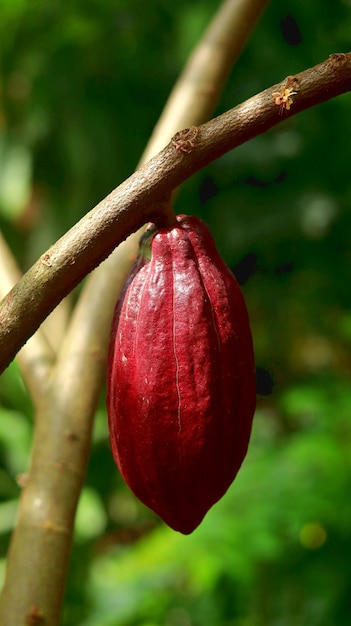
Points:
143	197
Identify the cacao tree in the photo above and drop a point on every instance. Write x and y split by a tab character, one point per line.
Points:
63	365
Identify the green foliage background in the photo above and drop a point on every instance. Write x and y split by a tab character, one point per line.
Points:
82	84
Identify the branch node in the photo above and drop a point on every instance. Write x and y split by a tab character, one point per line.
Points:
46	259
35	616
184	140
293	82
337	58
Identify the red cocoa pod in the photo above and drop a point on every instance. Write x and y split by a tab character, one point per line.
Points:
180	382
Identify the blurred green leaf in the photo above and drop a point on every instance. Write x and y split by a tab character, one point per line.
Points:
90	519
15	179
15	440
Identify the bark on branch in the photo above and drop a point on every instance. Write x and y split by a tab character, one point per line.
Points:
144	196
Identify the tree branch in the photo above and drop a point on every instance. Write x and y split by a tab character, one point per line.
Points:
144	195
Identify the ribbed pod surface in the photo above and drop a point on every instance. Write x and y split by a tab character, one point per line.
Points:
180	380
